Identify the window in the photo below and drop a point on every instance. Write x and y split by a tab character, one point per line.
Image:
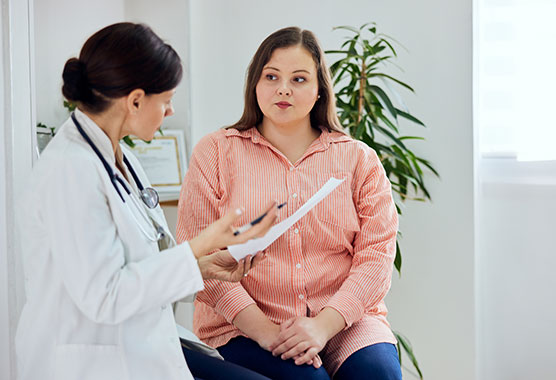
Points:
516	79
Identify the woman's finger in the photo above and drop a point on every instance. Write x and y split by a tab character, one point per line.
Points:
262	227
246	265
286	345
316	362
231	216
260	256
309	354
296	350
287	324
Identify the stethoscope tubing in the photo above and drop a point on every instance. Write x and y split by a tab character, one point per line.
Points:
115	179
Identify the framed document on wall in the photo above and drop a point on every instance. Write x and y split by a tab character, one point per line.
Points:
164	161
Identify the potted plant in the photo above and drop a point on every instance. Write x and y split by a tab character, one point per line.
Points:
367	112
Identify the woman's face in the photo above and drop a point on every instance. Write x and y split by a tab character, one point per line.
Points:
288	87
154	109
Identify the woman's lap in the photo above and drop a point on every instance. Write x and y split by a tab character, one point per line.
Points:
376	362
249	354
204	367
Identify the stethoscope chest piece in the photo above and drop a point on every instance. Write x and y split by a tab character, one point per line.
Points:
149	196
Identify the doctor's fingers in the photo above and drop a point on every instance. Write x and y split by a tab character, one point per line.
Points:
258	229
255	260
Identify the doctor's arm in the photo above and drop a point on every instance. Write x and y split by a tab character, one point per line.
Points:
91	257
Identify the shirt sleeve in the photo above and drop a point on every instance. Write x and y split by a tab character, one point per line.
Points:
90	255
374	245
201	197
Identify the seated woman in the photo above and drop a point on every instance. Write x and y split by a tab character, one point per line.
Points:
318	297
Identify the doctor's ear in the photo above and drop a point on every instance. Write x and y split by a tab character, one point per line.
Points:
135	100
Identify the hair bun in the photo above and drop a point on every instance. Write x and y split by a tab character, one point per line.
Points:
75	86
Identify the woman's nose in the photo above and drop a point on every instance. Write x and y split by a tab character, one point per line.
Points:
169	111
284	90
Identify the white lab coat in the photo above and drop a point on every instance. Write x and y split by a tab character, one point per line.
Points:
98	292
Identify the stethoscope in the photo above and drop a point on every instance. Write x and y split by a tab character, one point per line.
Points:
149	196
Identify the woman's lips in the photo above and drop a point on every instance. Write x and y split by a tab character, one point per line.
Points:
283	105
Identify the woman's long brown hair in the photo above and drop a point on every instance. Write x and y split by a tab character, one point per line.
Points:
323	113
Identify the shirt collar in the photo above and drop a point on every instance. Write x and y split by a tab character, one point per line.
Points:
323	142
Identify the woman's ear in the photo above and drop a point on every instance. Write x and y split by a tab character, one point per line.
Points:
134	100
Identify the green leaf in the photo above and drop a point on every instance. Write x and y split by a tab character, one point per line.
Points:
412	138
128	141
406	345
345	27
408	116
428	165
393	79
388	103
398	259
389	45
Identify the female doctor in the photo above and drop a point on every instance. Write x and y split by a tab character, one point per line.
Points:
101	268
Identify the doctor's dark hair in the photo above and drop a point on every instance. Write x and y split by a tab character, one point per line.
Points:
323	113
117	60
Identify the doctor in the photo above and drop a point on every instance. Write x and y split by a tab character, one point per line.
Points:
101	268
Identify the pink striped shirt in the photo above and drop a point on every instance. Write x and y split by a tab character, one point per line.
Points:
339	255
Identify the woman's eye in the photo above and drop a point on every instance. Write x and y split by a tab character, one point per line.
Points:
299	79
271	77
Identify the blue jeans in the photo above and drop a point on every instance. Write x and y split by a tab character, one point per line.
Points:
376	362
204	367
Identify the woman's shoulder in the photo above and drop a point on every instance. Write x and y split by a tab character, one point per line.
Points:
353	146
221	138
67	149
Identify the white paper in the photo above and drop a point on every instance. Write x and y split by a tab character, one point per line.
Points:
239	251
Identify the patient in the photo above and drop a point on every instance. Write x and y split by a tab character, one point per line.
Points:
314	308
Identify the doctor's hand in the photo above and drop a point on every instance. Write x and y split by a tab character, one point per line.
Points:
221	265
220	234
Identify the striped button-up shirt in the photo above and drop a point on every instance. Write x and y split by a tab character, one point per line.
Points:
339	255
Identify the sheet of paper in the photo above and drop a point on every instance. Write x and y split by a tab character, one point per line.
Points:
253	246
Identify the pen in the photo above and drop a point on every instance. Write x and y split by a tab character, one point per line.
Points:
255	221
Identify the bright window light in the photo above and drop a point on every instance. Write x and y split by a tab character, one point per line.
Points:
517	79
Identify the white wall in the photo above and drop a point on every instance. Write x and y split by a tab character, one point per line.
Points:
15	162
60	32
516	261
5	364
433	302
61	28
170	20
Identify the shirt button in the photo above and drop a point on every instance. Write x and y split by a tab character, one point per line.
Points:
298	265
163	307
294	195
301	296
296	231
291	169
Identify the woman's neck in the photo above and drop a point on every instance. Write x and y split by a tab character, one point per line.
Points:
292	139
111	124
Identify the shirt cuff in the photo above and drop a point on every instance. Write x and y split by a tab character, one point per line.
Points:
234	301
349	306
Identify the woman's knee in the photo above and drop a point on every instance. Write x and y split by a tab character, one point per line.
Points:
376	362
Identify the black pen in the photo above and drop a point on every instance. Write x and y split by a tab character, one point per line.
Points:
255	221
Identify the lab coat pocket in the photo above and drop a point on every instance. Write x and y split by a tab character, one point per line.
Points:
89	362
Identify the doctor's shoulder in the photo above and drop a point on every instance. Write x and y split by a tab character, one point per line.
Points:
67	159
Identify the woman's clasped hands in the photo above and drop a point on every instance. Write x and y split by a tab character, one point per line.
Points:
221	264
302	338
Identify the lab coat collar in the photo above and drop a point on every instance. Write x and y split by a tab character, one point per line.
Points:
97	136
